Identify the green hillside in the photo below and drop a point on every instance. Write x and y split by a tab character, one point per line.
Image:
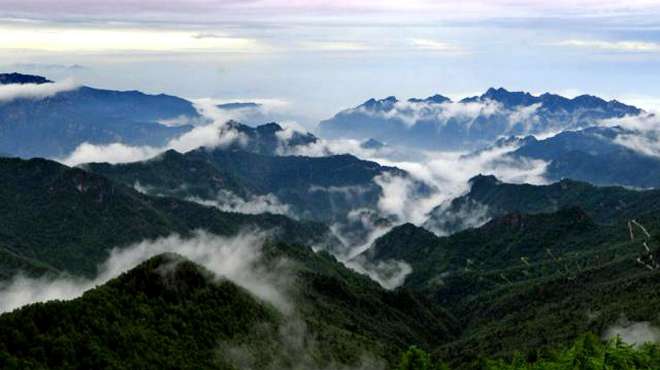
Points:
67	219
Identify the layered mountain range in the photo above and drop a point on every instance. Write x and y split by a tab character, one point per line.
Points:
439	123
249	254
51	120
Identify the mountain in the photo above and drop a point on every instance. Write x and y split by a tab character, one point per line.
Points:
57	218
255	114
528	283
18	78
268	139
315	188
497	245
488	197
471	123
596	155
53	126
239	105
170	313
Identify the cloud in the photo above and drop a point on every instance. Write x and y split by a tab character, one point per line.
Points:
426	44
435	178
446	220
445	176
335	46
633	333
111	153
212	133
109	38
401	198
320	12
617	46
35	91
208	36
255	204
468	110
291	345
647	145
411	113
445	173
390	274
235	258
525	115
640	133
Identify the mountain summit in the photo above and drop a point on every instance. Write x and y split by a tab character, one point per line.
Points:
19	78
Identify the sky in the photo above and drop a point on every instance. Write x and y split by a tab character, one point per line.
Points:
317	57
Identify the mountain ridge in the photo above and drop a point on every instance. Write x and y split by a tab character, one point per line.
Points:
475	122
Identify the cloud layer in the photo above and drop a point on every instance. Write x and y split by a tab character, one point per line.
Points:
212	133
35	91
235	258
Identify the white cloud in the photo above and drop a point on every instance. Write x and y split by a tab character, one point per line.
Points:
255	204
401	198
71	39
390	274
622	46
525	115
633	333
111	153
641	133
235	258
335	46
410	113
446	220
469	110
647	145
426	44
35	91
215	133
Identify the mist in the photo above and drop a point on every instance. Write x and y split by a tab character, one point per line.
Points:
211	132
633	333
35	91
255	204
434	178
235	258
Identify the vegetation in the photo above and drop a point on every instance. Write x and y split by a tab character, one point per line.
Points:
507	295
530	282
56	218
170	313
166	313
604	204
587	353
317	188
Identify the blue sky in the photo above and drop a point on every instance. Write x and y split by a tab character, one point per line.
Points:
316	57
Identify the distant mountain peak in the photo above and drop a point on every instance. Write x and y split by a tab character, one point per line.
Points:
512	98
269	127
434	99
239	105
481	179
372	144
382	104
19	78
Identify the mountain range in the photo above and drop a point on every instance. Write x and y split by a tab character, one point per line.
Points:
54	125
171	313
339	190
539	274
439	123
547	265
61	219
249	255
